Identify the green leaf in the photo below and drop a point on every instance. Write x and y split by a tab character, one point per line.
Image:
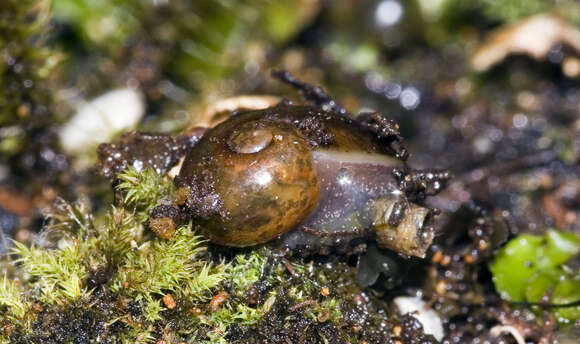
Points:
560	247
514	265
567	291
538	285
531	267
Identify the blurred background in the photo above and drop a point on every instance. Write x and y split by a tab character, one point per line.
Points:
489	89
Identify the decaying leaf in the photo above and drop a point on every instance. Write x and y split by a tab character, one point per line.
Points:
534	36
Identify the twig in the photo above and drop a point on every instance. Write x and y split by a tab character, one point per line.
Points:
302	304
497	330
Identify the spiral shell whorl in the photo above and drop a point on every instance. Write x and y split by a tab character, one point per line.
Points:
249	179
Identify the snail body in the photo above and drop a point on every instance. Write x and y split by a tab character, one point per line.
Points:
308	178
303	177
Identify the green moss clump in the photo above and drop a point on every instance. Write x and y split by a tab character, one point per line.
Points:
80	259
106	277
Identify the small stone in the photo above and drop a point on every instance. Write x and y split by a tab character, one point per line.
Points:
397	331
441	287
195	311
216	301
571	67
169	301
164	227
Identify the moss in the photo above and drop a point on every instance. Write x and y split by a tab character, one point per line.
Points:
79	257
122	283
25	67
110	269
142	190
11	298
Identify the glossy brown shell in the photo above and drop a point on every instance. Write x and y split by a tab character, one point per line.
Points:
249	179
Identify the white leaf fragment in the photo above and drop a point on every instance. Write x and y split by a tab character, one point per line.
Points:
100	119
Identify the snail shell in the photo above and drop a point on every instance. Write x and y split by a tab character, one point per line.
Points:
249	180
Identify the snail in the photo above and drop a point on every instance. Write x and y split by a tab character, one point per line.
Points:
301	177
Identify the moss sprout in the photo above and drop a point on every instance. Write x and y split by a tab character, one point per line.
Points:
57	274
142	190
245	272
11	298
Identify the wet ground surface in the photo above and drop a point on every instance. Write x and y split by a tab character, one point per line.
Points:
509	133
